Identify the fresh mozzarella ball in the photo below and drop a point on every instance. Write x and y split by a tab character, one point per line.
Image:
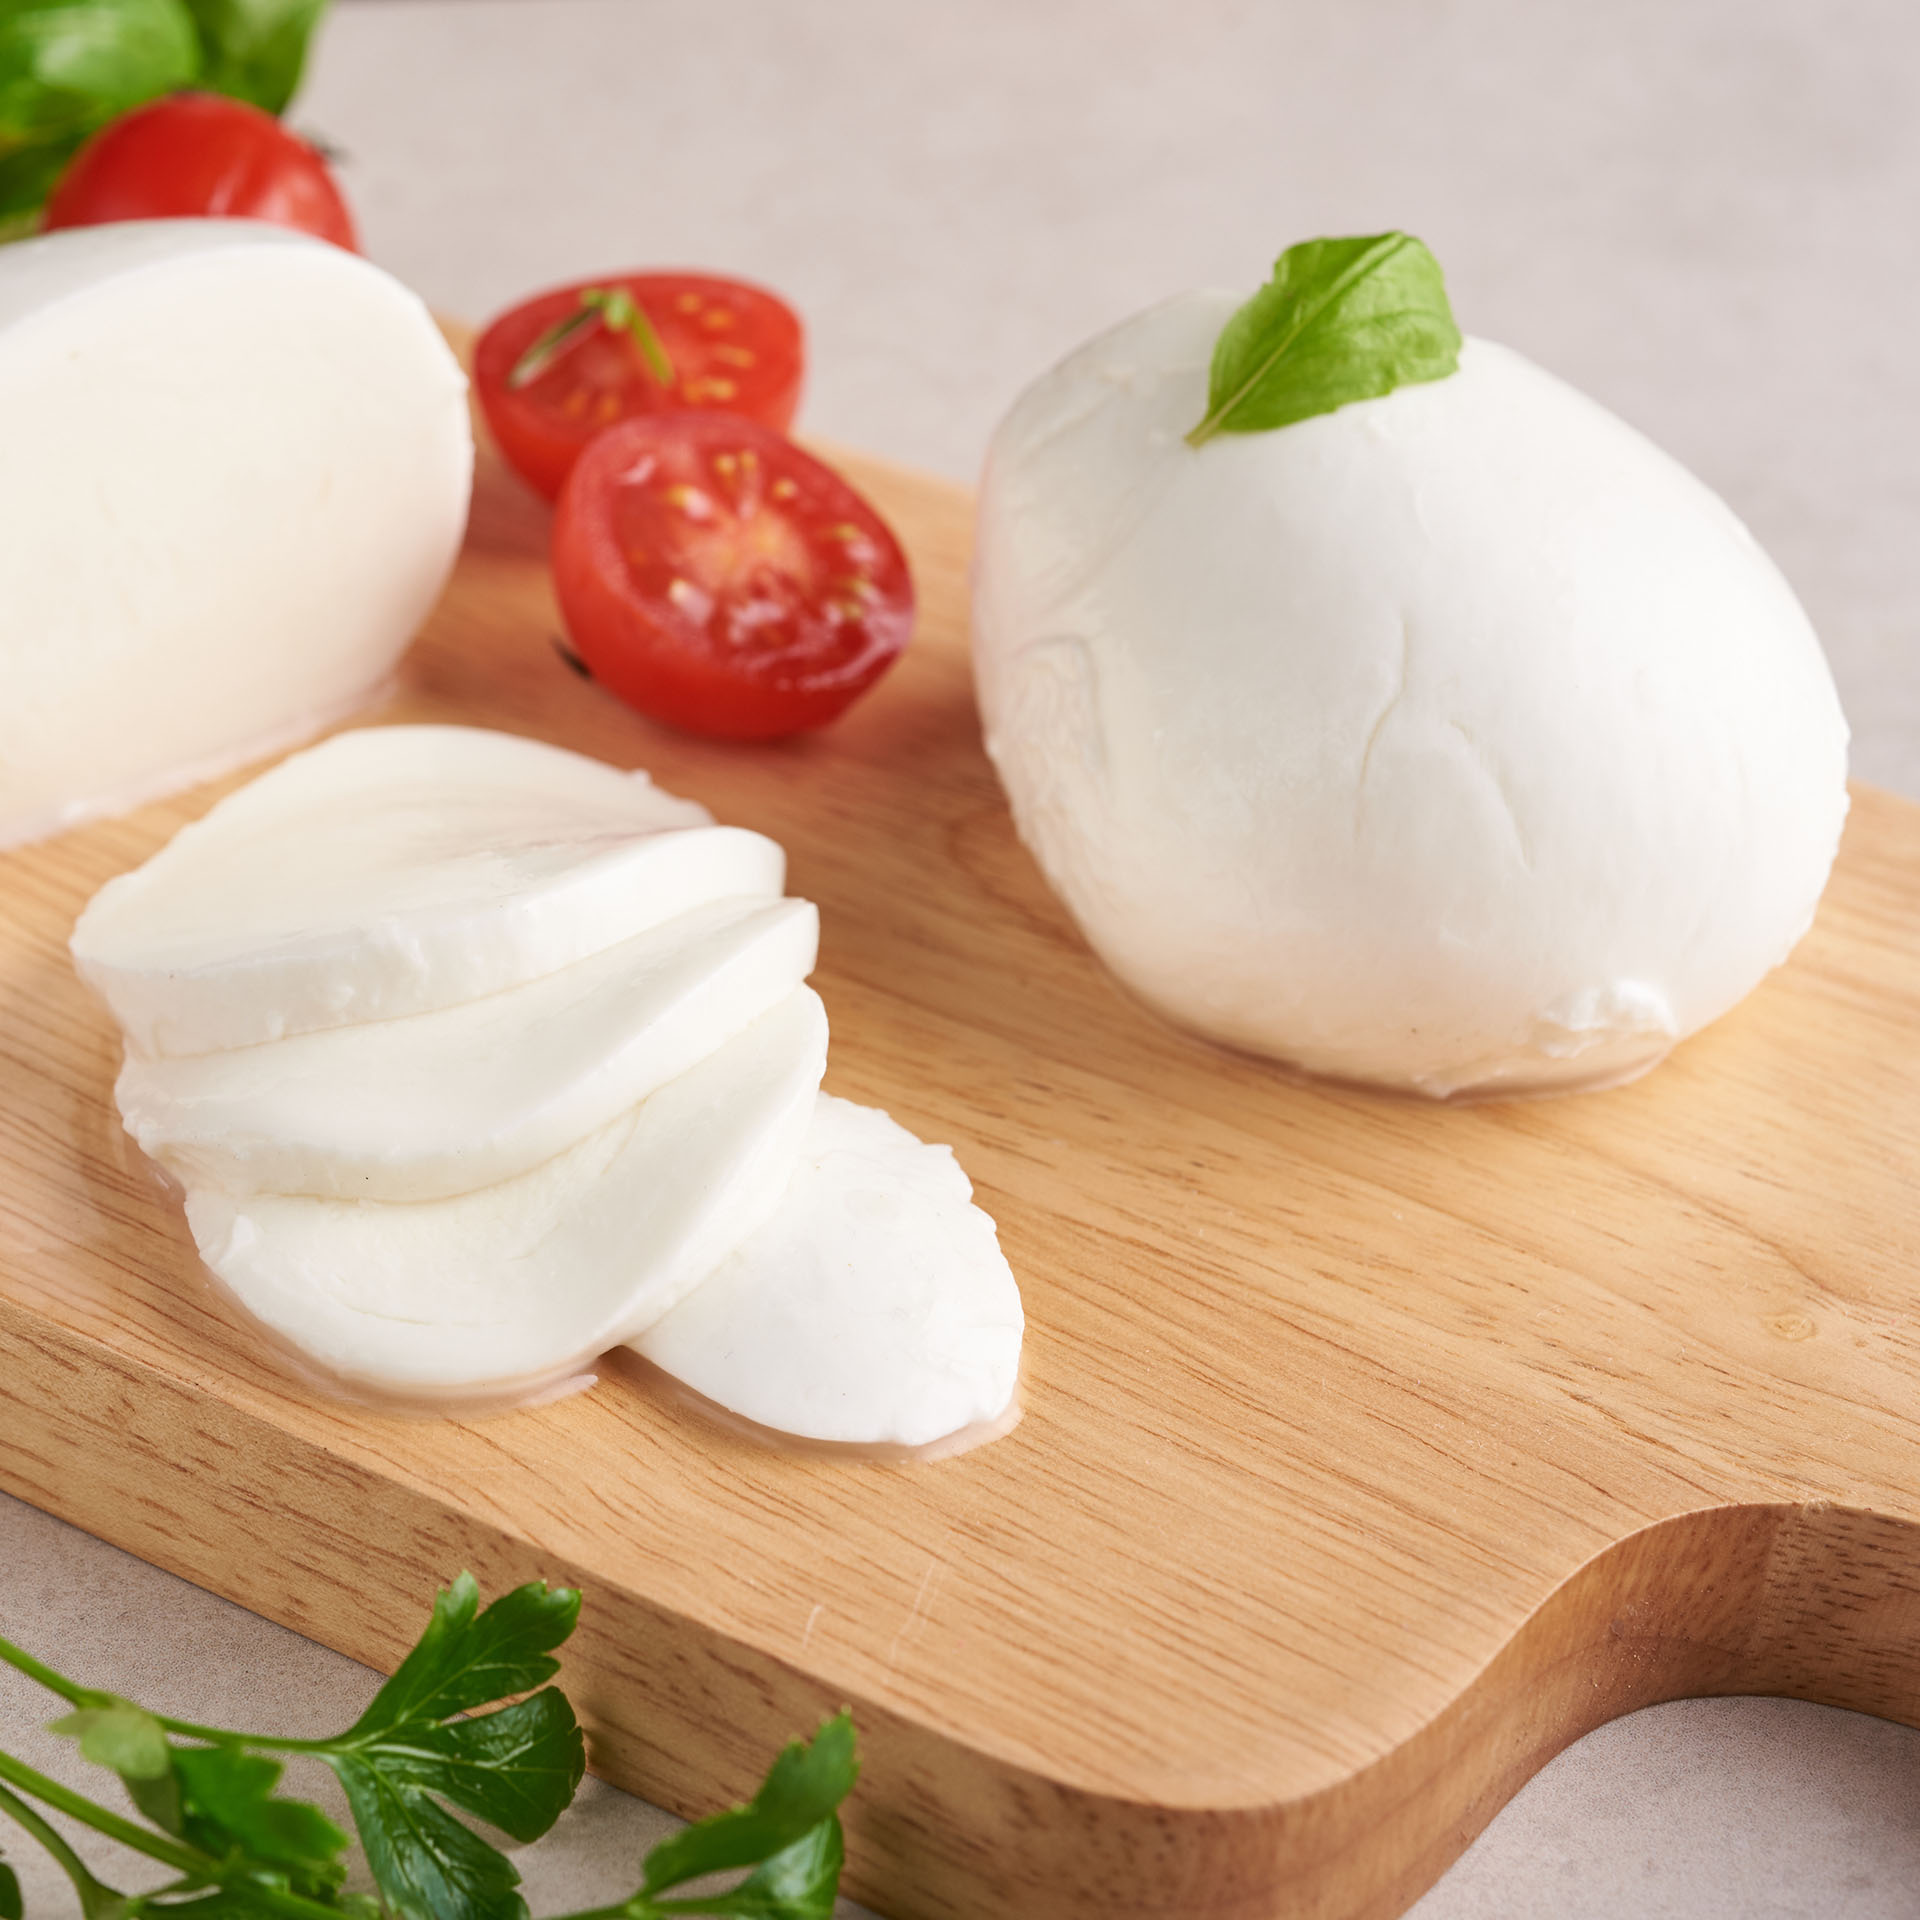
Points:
1456	739
234	468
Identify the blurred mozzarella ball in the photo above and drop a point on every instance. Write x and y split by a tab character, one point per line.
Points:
1459	739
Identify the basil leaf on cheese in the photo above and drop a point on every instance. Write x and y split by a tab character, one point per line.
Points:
1341	320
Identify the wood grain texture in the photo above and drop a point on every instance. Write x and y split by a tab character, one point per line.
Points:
1373	1451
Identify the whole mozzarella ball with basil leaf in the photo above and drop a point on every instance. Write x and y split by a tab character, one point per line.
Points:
1379	703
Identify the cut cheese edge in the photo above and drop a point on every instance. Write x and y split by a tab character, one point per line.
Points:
440	1104
393	871
874	1306
235	471
515	1285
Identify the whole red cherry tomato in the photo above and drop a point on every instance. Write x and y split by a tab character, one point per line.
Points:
554	371
718	578
197	154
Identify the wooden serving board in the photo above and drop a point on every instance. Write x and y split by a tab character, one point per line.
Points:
1372	1451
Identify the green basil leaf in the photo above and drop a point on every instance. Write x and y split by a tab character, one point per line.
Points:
518	1768
802	1789
68	66
230	1805
255	49
425	1863
121	1736
26	178
1341	320
467	1659
11	1906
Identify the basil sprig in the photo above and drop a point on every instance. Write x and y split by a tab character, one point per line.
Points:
67	67
1341	320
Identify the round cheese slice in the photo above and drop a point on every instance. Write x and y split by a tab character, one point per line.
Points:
398	870
234	475
507	1288
873	1306
438	1104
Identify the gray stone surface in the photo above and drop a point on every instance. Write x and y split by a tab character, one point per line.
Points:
1700	210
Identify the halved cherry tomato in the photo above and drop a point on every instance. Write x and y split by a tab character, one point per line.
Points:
730	347
193	155
718	578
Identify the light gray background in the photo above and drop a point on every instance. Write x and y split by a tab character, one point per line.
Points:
1706	212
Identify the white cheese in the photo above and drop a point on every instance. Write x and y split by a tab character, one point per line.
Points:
522	1281
1456	739
438	1104
234	474
873	1306
476	1058
398	870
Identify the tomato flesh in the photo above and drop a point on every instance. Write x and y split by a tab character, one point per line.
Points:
200	155
718	578
733	348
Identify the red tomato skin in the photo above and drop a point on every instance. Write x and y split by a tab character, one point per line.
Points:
200	155
529	425
649	654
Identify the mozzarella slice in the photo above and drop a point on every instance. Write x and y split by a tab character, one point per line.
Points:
441	1103
874	1305
398	870
522	1281
234	476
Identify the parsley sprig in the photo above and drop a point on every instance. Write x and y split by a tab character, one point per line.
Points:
240	1850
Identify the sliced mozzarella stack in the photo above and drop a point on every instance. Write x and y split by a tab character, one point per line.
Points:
477	1058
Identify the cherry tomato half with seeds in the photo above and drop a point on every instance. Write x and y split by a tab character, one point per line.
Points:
199	155
716	577
556	370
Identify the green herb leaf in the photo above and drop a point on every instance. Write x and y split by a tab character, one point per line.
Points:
121	1736
1341	320
426	1864
69	66
464	1660
255	49
802	1789
26	178
11	1905
159	1800
117	1734
230	1805
801	1882
518	1768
